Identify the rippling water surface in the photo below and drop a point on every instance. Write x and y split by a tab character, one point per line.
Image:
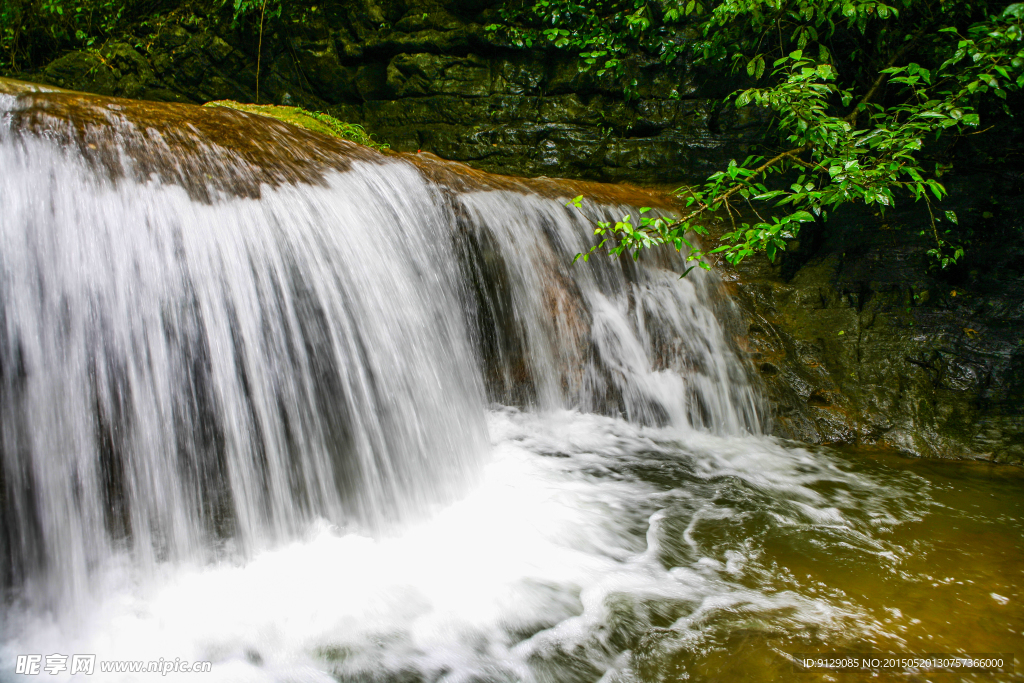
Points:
598	550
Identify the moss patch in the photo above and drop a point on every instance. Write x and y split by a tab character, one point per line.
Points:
317	122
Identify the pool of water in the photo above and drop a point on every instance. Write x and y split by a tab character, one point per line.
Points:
596	550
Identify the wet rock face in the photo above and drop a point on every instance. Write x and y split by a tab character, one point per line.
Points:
221	149
205	150
858	341
426	75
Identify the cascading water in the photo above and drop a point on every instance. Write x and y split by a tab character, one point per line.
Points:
310	413
612	337
176	372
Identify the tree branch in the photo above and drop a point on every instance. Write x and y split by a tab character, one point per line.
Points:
851	118
791	154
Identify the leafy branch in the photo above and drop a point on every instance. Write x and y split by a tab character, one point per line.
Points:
929	82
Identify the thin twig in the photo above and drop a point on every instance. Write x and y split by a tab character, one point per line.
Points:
935	231
736	188
728	210
259	51
759	216
851	118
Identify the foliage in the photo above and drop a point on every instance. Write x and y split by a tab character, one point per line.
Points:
318	122
264	8
854	90
33	31
78	24
603	32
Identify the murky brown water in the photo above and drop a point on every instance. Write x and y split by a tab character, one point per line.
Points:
954	582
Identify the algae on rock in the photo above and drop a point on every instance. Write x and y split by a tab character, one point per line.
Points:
317	122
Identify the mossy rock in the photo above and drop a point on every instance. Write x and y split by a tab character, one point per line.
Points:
324	124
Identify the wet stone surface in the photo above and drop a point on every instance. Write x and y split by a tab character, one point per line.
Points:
858	340
427	75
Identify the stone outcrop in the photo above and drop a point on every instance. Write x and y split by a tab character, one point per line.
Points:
856	337
429	76
858	341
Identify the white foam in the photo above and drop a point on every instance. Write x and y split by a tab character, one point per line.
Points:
541	558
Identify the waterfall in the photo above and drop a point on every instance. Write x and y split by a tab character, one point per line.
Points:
216	330
612	337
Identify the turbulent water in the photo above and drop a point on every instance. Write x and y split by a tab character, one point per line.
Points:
379	428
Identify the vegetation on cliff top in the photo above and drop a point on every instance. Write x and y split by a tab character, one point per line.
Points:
317	122
35	31
855	91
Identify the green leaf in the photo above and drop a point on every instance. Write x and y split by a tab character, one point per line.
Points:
1016	10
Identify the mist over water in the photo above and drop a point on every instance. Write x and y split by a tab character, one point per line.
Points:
376	428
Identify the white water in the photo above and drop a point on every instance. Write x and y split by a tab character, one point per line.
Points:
248	374
539	574
256	432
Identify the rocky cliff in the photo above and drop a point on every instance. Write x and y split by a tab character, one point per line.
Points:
858	341
427	75
857	338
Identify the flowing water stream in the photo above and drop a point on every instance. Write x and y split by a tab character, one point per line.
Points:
333	416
